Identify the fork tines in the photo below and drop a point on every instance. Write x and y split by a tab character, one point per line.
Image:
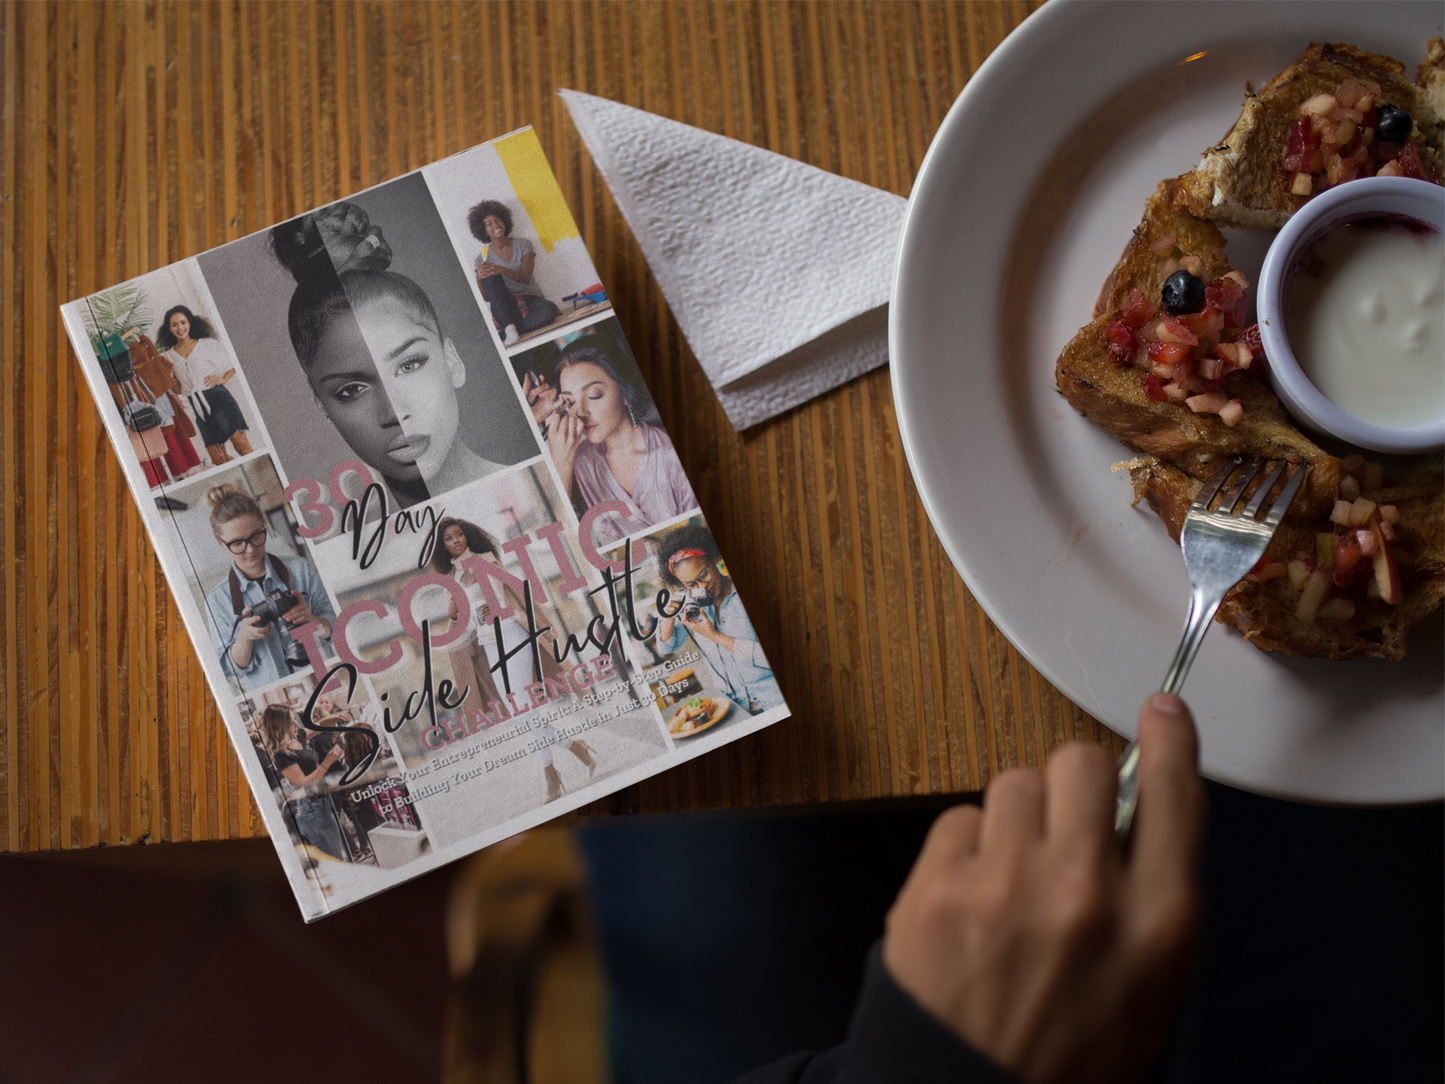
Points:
1230	503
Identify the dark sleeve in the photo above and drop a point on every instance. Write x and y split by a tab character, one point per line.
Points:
890	1041
304	759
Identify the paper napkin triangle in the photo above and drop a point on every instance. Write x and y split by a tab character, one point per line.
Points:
778	272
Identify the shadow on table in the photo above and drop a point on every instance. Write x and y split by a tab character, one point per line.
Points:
732	940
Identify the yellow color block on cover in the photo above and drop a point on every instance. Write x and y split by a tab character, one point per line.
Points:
536	187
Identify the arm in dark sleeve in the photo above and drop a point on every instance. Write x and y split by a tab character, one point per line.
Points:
890	1041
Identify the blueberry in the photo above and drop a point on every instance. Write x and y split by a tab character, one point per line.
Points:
1393	124
1183	293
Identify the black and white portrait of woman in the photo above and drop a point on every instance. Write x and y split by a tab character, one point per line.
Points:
361	334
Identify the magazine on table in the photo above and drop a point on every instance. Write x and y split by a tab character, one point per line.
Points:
437	554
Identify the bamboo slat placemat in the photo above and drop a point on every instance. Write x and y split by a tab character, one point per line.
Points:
133	135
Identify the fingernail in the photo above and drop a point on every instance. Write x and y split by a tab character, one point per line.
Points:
1169	704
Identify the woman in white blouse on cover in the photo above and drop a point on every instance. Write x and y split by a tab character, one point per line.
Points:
202	369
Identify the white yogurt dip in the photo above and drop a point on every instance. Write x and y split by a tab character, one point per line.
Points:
1365	317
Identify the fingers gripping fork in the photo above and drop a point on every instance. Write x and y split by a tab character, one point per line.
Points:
1219	547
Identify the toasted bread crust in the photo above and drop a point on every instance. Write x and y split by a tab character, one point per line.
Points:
1430	80
1243	181
1111	395
1265	612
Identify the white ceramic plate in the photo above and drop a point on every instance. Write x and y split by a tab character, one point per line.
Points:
1022	205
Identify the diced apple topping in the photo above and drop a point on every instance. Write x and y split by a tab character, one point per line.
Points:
1298	573
1336	139
1360	511
1387	571
1316	586
1232	413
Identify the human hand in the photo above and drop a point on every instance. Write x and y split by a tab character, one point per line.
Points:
334	753
664	624
487	270
301	613
701	624
1027	928
251	628
564	437
541	397
451	609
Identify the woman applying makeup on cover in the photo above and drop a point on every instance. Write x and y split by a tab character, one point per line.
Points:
597	442
375	355
203	367
472	656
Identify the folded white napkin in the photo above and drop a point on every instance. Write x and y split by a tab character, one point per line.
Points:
778	272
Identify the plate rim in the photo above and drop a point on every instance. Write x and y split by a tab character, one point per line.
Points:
1023	41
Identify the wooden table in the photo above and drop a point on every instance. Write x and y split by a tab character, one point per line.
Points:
133	135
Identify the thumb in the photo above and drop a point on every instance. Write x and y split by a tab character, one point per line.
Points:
1169	826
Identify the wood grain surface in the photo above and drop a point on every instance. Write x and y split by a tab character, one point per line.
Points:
135	134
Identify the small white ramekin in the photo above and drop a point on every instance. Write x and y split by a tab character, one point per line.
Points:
1363	198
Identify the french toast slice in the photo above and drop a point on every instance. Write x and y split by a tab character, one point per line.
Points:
1266	611
1244	181
1112	395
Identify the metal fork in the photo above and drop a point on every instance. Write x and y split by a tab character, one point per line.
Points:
1219	547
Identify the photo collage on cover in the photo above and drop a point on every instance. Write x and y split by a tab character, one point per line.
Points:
338	418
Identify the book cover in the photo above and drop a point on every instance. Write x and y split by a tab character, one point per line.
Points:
440	562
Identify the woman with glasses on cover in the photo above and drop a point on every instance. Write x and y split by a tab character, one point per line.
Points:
262	597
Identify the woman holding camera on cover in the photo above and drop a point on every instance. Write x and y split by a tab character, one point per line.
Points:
715	616
262	597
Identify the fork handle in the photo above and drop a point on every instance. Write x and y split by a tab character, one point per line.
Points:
1201	613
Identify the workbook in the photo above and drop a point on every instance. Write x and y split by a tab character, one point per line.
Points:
440	562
